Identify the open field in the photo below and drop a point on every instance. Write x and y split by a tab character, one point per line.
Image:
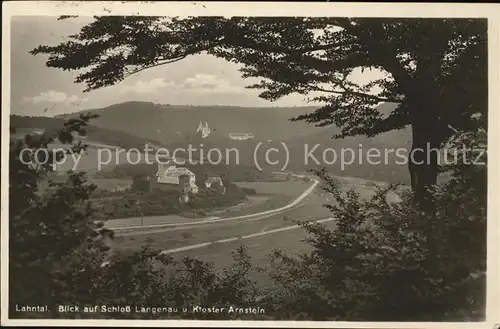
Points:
250	202
89	161
148	220
291	187
311	208
261	234
100	157
176	237
259	248
270	195
265	203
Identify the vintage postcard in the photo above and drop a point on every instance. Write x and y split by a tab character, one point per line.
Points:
250	164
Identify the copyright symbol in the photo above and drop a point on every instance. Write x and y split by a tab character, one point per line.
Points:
274	160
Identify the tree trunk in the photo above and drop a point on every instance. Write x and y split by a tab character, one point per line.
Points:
423	173
427	134
424	168
423	100
423	163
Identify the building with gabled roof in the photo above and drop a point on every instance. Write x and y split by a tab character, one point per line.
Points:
177	176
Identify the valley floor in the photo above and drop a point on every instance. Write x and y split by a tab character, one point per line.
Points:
215	242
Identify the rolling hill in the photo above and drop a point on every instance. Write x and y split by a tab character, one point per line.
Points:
21	125
168	124
174	126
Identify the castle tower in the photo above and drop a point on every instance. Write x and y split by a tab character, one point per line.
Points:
204	130
200	128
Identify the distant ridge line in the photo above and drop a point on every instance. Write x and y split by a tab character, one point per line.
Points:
185	106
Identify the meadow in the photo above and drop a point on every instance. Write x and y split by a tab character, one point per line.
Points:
170	238
279	195
259	247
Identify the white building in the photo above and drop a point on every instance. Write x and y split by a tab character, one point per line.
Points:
241	136
170	174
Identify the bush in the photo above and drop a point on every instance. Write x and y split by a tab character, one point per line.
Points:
378	265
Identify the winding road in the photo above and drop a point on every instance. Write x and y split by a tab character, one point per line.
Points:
211	220
207	229
297	202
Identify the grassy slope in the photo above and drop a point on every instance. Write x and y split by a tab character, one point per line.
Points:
175	127
97	134
170	123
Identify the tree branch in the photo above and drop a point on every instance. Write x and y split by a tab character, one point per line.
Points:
172	60
154	65
352	92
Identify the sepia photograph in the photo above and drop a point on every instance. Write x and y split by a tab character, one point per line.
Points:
293	164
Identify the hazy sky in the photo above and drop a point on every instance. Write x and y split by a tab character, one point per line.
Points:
197	80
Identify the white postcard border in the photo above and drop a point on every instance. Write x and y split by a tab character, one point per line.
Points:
476	10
